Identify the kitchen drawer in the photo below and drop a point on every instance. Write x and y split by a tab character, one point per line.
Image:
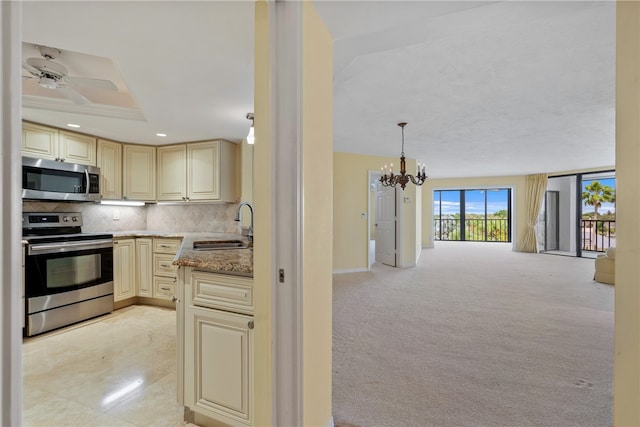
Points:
222	291
163	265
164	287
166	246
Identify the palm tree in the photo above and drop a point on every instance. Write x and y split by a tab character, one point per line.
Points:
595	195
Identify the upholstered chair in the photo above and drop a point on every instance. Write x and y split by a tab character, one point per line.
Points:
606	267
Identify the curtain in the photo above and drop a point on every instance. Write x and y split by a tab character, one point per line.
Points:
535	189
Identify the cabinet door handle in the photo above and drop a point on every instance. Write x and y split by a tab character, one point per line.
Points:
174	299
250	324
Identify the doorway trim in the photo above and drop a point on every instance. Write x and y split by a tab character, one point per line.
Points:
10	233
371	175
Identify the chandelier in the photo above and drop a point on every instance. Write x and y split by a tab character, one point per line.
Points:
388	179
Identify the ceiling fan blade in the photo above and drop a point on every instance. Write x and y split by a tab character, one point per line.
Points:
73	95
31	69
96	83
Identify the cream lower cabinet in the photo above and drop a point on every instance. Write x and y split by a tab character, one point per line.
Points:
124	269
165	274
144	267
217	347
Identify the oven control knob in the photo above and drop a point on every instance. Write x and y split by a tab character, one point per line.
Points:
65	219
74	218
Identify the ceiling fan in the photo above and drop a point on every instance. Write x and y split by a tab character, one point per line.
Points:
52	75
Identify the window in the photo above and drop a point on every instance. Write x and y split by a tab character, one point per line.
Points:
472	215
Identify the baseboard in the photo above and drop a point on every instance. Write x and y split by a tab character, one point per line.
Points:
350	270
330	422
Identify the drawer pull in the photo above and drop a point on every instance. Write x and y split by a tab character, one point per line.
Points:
164	265
164	289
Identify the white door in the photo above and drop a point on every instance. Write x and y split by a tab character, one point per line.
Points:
386	225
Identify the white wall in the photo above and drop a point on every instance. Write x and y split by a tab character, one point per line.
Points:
566	186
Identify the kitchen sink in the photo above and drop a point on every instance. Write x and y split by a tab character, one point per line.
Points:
211	245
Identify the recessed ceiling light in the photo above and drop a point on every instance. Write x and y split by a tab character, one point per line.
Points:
161	134
73	125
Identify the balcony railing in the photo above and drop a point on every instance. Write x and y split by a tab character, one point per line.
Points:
475	229
598	235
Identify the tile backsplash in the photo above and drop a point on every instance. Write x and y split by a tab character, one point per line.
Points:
217	218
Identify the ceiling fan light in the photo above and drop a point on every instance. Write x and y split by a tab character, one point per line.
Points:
48	83
250	136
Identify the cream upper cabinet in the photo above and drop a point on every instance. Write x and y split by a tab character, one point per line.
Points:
39	141
139	172
206	179
109	160
77	148
198	171
144	267
124	269
172	172
49	143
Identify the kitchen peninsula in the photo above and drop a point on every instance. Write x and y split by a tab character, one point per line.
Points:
215	330
213	294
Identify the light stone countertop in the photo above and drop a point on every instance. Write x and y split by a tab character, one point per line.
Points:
238	262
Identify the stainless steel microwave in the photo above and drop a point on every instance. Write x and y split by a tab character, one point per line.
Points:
53	180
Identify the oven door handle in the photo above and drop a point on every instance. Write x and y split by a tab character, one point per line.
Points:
49	248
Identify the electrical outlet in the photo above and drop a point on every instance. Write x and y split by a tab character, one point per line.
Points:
116	215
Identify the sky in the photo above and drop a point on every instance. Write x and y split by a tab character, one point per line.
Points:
496	200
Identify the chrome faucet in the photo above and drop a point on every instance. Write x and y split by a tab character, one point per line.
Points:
239	218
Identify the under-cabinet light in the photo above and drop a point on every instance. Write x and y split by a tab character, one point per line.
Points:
161	134
73	125
121	203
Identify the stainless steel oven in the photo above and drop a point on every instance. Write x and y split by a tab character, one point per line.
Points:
68	274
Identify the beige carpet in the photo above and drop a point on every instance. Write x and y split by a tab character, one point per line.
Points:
475	335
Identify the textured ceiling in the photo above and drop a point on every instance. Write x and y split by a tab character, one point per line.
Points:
188	65
488	88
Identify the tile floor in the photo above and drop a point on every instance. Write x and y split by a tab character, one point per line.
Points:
117	370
